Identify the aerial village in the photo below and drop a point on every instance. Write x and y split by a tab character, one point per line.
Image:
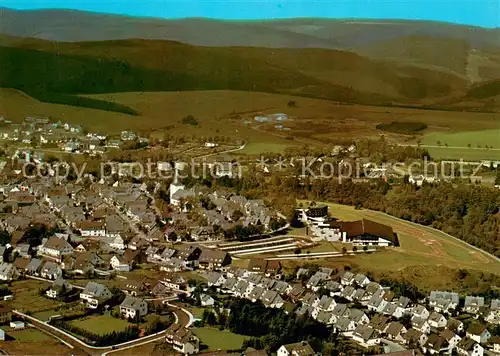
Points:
105	246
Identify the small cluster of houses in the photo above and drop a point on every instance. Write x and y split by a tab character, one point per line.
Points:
365	311
431	328
223	209
68	137
259	282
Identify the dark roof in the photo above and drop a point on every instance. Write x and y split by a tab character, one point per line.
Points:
368	227
476	329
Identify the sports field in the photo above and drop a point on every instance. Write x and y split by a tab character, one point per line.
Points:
420	245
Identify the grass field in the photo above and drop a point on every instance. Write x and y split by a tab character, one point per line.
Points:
27	297
254	148
224	112
197	312
49	347
465	153
101	324
419	246
219	340
28	335
463	139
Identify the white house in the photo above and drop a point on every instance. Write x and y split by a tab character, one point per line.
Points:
469	347
56	247
132	307
8	272
473	304
365	336
95	294
182	340
298	349
478	333
59	287
207	301
92	228
118	264
437	320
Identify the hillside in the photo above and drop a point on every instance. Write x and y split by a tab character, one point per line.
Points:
450	55
69	25
55	71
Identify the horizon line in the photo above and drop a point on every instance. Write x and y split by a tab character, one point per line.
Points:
263	19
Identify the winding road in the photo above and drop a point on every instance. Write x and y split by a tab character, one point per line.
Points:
79	347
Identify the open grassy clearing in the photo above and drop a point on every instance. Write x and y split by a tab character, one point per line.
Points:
28	335
101	324
490	137
465	153
49	347
27	296
419	245
254	148
219	340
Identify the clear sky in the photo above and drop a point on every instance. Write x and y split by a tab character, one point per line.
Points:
484	13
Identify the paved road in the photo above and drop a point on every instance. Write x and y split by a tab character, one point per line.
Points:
80	348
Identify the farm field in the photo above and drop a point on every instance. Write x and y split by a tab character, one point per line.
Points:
479	138
216	339
230	113
49	347
254	148
419	246
465	153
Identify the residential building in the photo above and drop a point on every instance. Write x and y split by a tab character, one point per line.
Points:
95	294
395	331
298	349
213	259
58	288
5	314
469	347
437	320
478	333
182	340
366	336
133	307
8	272
56	247
473	304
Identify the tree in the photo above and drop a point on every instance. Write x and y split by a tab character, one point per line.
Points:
189	120
236	215
5	238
